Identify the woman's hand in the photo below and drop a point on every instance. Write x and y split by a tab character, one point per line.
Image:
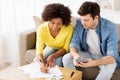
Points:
44	68
50	61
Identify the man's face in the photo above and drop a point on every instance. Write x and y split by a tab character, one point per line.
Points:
88	22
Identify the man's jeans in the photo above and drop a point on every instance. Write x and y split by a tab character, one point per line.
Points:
106	71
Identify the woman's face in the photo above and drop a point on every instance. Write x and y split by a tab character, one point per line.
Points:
55	24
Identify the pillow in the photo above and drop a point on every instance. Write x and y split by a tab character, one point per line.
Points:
118	29
37	21
119	47
73	20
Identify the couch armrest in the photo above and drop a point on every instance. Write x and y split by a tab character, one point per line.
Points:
27	40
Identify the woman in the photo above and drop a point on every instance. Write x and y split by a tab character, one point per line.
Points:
53	36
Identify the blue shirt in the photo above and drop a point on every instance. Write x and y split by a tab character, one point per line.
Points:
107	34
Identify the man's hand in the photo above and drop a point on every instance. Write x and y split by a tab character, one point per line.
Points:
74	60
89	63
81	59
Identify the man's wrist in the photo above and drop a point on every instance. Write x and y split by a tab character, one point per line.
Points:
95	63
75	55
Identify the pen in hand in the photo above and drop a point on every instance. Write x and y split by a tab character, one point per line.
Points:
44	67
40	61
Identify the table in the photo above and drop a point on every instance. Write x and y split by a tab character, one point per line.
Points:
17	74
67	72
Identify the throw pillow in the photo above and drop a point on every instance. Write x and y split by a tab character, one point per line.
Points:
37	21
119	47
118	29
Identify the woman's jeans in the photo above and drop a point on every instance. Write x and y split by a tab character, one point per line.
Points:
106	71
47	52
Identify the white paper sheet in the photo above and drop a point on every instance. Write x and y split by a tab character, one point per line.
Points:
33	70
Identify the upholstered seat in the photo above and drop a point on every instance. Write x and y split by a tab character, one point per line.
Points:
27	42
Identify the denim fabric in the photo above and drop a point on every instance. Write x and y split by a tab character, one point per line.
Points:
106	71
48	51
107	34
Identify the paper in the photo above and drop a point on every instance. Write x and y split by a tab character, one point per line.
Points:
33	70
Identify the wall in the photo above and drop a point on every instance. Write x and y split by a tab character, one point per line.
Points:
15	16
113	16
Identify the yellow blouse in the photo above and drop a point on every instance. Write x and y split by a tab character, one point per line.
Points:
44	37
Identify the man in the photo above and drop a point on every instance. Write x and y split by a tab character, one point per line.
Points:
95	40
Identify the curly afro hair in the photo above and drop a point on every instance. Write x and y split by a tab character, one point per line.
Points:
57	10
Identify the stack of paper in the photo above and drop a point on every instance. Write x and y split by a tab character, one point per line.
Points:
33	70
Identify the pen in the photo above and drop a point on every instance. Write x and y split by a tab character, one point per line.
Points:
72	73
42	63
40	60
45	69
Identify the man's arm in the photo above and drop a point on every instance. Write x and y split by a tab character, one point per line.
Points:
104	61
74	52
75	55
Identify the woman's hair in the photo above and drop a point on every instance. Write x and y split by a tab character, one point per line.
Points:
91	8
57	10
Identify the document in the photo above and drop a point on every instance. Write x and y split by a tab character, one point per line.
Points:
33	70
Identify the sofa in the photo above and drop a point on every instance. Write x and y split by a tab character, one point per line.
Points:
27	42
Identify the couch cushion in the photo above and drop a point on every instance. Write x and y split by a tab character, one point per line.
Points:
37	21
91	73
116	75
118	29
30	55
73	20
